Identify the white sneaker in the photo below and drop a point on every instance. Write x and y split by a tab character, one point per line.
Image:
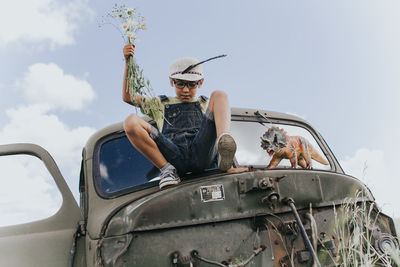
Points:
226	147
169	177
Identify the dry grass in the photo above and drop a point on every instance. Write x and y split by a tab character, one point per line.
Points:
354	225
397	224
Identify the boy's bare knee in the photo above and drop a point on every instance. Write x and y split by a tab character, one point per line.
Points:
219	98
218	95
132	124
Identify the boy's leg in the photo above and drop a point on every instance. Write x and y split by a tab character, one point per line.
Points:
225	143
138	132
219	105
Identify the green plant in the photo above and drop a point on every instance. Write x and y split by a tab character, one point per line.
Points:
130	22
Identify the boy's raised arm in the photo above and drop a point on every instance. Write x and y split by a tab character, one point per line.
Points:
128	50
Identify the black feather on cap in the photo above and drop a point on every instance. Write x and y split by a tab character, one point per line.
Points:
201	62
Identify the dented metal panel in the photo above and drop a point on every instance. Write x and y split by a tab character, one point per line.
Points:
231	241
182	206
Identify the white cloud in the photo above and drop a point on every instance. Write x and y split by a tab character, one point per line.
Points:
31	192
48	84
364	164
45	87
33	124
53	21
378	174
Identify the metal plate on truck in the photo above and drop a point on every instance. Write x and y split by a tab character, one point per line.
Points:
212	193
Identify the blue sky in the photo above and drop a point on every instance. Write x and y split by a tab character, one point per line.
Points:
334	63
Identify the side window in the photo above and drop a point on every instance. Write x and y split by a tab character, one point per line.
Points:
28	193
119	166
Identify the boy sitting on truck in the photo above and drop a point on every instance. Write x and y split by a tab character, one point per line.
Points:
189	132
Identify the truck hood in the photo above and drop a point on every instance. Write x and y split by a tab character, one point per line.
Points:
233	196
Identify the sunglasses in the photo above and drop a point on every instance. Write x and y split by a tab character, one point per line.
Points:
181	84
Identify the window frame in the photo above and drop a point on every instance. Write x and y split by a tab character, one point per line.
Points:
97	176
322	145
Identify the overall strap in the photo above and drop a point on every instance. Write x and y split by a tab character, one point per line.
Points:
203	98
163	98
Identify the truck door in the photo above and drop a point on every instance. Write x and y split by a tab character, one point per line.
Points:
46	242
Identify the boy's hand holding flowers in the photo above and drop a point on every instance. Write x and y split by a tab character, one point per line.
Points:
129	50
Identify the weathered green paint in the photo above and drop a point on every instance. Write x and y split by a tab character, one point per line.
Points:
182	206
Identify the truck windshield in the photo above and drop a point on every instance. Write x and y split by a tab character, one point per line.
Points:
120	168
275	145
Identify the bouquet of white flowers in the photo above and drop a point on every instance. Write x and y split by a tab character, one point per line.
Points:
130	22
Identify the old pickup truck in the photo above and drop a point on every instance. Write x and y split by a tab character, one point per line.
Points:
280	214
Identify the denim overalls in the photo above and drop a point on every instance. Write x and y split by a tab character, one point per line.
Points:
188	137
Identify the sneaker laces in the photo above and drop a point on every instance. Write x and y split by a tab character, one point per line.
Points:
168	172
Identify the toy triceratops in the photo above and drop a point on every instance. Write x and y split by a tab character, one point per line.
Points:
295	148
